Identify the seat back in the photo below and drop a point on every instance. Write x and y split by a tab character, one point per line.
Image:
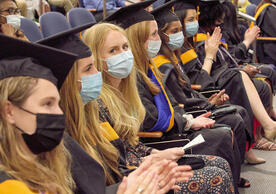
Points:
81	3
250	9
30	30
52	23
80	16
255	2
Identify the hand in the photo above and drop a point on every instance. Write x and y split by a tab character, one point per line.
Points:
185	173
167	177
8	30
250	35
212	43
165	169
251	70
219	98
147	182
203	121
172	154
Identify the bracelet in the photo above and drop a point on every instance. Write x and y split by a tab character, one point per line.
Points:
189	119
209	58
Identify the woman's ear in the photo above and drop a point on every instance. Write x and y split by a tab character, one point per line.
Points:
9	112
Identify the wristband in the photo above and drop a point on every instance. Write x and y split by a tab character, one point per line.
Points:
209	58
189	119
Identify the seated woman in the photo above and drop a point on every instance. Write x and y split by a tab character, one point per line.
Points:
10	19
104	147
240	50
239	47
33	155
265	16
169	63
162	112
120	106
237	83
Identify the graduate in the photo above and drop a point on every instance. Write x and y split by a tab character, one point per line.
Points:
33	155
239	48
265	16
162	111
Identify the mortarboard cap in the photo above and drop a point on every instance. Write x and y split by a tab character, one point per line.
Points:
69	41
210	1
163	14
22	58
186	4
130	15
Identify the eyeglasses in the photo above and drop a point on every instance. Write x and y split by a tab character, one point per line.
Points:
11	11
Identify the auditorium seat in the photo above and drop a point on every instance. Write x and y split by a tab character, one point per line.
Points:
52	23
80	16
250	9
30	30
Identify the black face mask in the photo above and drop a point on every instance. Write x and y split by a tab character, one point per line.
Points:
48	134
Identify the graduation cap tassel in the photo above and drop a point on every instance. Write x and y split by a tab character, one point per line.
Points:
197	17
104	9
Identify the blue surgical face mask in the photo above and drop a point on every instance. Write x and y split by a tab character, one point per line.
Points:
191	28
176	40
120	65
154	47
91	87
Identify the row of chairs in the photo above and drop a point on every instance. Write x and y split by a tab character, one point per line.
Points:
76	17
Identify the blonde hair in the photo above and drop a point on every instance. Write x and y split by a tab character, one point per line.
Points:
84	126
124	104
137	35
49	171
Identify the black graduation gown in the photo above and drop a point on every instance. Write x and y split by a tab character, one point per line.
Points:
218	141
191	98
87	173
225	76
242	56
225	69
266	51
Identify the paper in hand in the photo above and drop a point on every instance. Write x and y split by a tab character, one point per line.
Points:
196	141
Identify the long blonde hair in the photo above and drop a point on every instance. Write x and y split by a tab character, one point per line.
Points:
50	171
84	126
124	104
137	35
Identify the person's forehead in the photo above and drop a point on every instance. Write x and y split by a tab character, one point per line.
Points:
8	4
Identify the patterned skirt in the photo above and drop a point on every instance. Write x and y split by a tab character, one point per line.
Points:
215	177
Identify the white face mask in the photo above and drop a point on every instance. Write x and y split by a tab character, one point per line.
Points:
14	20
154	47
